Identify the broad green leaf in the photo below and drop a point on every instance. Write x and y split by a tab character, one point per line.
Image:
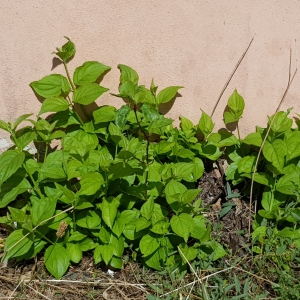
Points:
89	72
53	166
67	51
90	183
88	93
17	244
254	139
164	147
262	178
116	262
141	224
121	116
288	184
13	187
275	153
206	124
199	227
109	208
174	188
209	151
54	104
223	139
186	124
25	136
76	237
103	252
236	105
156	259
189	195
118	245
158	214
148	244
167	94
43	209
51	86
159	123
74	252
183	225
144	96
120	170
17	214
269	201
281	122
56	260
189	171
161	227
105	113
80	142
246	164
128	74
147	209
187	253
88	244
10	162
150	112
88	219
293	145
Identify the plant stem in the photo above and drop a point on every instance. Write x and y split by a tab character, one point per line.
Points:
42	235
146	136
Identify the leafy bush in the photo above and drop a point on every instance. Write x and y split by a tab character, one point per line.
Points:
119	180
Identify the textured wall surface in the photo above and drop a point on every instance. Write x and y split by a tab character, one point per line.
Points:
192	43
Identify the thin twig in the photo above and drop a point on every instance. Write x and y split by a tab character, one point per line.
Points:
191	267
290	81
11	295
38	292
230	77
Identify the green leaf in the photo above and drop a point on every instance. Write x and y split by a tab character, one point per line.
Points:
88	219
74	252
103	252
20	120
25	136
53	166
109	209
206	124
186	124
275	153
167	94
13	187
76	237
254	139
148	244
262	178
118	245
88	93
121	116
89	72
10	162
187	253
43	209
105	113
183	225
199	227
67	51
164	147
54	104
5	126
90	183
143	95
246	164
128	74
288	184
293	145
18	243
56	260
141	224
51	86
147	209
281	122
236	105
156	259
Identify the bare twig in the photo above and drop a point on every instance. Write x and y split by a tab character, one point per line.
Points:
230	77
290	81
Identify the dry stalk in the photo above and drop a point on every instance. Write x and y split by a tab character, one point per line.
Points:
230	77
290	81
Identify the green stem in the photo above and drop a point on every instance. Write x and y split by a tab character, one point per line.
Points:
42	235
146	136
69	77
36	187
238	131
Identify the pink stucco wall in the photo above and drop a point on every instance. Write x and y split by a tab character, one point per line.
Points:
193	43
